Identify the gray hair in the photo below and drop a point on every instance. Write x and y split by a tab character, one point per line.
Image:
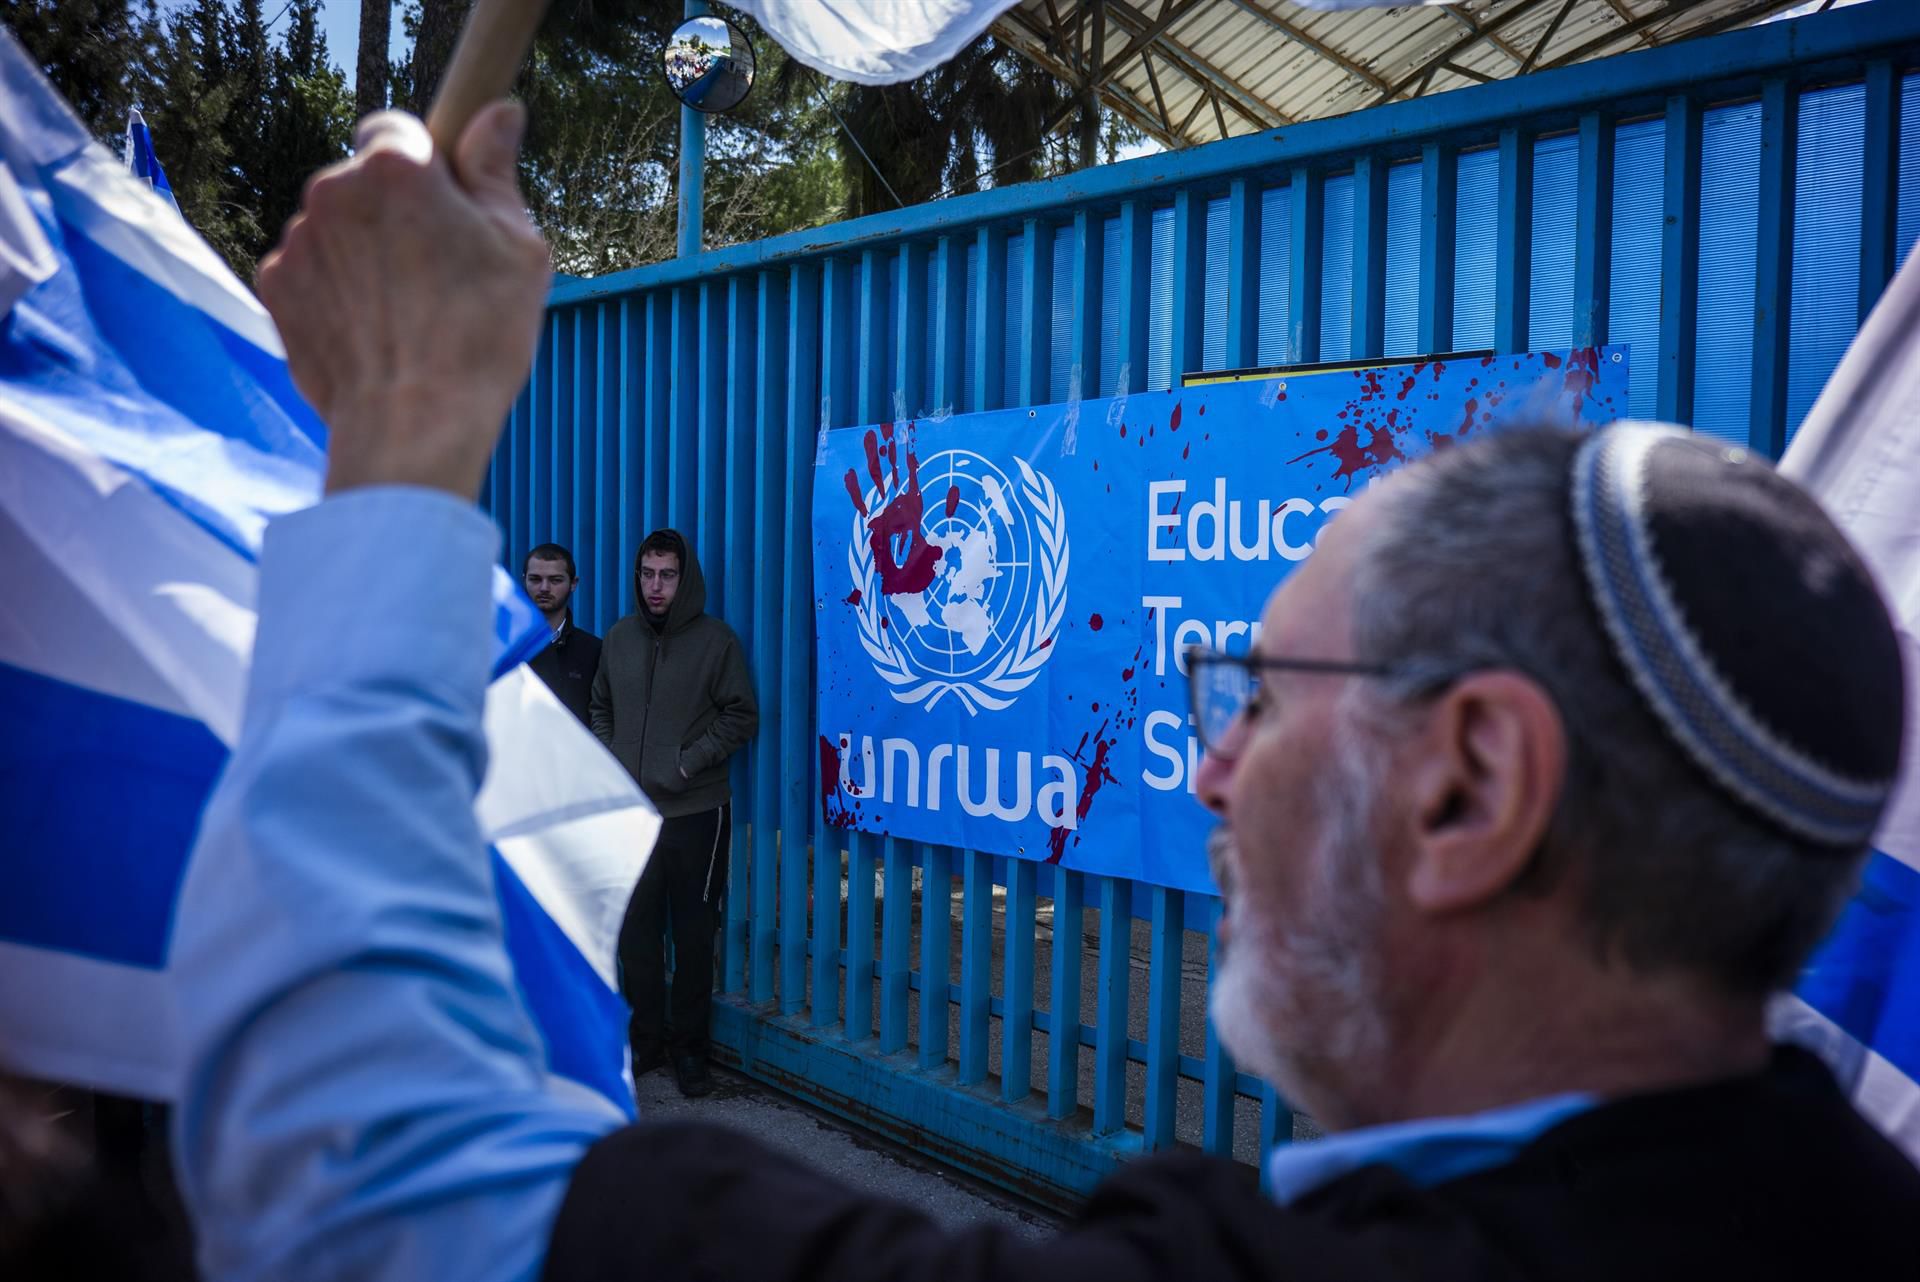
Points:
1472	565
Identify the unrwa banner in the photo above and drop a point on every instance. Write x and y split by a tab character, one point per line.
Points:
1004	600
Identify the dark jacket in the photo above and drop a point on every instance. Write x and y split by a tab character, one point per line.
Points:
1768	1176
568	665
674	702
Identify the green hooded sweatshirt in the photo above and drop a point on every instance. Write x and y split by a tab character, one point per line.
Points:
674	701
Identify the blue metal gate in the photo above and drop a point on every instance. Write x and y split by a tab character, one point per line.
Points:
1730	207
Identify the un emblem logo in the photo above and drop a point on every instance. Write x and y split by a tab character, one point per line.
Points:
960	578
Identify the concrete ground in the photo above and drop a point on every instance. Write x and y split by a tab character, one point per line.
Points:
844	1152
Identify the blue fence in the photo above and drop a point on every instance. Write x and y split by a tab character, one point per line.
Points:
1730	208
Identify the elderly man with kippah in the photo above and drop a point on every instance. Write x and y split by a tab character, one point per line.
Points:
1551	767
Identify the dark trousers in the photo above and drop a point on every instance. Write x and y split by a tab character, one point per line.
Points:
683	883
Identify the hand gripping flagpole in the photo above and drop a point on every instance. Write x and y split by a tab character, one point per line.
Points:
492	46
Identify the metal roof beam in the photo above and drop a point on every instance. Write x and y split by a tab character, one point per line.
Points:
1466	21
1306	41
1726	22
1553	29
1153	82
1672	9
1200	71
1461	45
1116	96
1170	12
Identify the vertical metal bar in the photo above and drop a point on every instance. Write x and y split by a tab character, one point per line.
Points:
1089	280
904	399
826	943
1165	962
693	164
1679	262
769	550
609	434
1136	292
949	372
743	607
659	423
1243	273
976	964
1111	1005
1513	239
1308	207
635	356
1880	193
797	807
1063	1037
706	524
1016	1021
1439	203
1187	324
539	454
1276	1127
1773	270
989	319
578	531
851	363
684	413
861	861
1593	232
1036	351
1217	1075
560	429
1369	335
896	944
936	952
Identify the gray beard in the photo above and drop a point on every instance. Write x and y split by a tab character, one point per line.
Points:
1305	1010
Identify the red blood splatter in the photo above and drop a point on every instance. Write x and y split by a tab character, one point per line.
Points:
853	491
1583	368
1551	361
1173	419
885	622
1473	407
1185	450
1393	419
1123	431
1417	367
853	597
953	499
1486	361
873	458
1371	386
1096	707
1203	411
1096	623
1439	368
1355	457
900	519
1044	644
1320	435
1405	388
833	808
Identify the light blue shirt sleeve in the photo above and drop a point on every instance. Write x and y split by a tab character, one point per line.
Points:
367	1096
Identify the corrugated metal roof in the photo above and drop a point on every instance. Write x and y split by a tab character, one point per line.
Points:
1193	71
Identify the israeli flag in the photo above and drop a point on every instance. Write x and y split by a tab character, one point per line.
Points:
1859	453
141	159
148	433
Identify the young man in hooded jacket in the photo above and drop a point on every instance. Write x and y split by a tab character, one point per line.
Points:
673	701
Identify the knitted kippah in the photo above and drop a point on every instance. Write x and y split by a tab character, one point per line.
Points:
1747	622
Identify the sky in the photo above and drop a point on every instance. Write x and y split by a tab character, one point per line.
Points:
340	19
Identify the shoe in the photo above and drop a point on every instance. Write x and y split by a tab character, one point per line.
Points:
646	1061
691	1072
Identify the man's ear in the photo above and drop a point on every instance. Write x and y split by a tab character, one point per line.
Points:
1490	768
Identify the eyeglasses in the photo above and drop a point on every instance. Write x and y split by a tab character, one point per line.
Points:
1222	686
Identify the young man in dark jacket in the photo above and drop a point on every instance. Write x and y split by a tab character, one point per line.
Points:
568	664
673	701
